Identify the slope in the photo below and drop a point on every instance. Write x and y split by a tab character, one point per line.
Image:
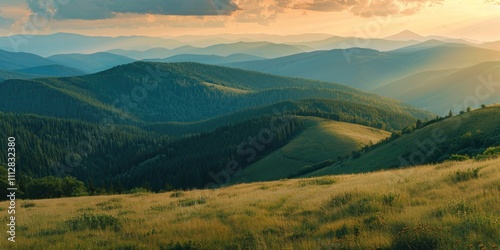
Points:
177	92
91	63
368	69
48	45
321	140
208	59
52	70
19	60
6	75
467	134
385	210
455	89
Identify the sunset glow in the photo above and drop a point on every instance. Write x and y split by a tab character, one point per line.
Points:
475	20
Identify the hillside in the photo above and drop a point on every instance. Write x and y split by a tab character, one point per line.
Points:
467	134
134	157
368	69
337	42
440	91
387	117
48	45
52	70
208	59
179	92
91	63
425	207
6	75
321	140
19	60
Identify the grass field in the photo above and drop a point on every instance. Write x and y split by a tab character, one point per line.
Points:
421	141
453	205
321	140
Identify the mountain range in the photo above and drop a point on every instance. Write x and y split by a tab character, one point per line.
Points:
340	110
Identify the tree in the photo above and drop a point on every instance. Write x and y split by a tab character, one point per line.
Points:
483	106
72	187
468	109
450	114
419	123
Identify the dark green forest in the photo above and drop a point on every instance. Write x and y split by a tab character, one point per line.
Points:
177	92
164	126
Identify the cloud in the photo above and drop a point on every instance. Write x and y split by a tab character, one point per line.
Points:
5	22
368	8
105	9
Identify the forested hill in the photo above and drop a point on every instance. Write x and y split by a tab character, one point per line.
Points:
171	92
119	157
171	125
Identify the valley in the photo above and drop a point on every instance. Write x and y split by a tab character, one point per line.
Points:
214	125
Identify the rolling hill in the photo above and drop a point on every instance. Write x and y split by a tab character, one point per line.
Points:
320	141
48	45
6	75
337	42
19	60
207	59
91	63
442	90
467	134
223	107
52	70
256	49
183	92
368	69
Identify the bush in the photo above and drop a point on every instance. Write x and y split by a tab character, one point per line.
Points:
420	237
176	194
180	246
139	190
94	222
342	232
318	181
362	206
459	176
389	199
192	202
27	204
492	151
53	187
455	157
339	200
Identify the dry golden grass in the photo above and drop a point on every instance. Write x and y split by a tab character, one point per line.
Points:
364	211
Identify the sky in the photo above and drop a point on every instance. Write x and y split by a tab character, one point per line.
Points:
471	19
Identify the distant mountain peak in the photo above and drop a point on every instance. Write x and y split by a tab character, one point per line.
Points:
406	35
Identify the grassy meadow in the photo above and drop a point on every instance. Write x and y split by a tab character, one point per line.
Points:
321	140
453	205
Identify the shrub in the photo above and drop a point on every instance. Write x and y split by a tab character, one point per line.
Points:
176	194
492	151
339	200
362	206
180	246
53	187
420	237
459	176
455	157
139	190
192	202
28	204
93	222
342	232
389	199
318	181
